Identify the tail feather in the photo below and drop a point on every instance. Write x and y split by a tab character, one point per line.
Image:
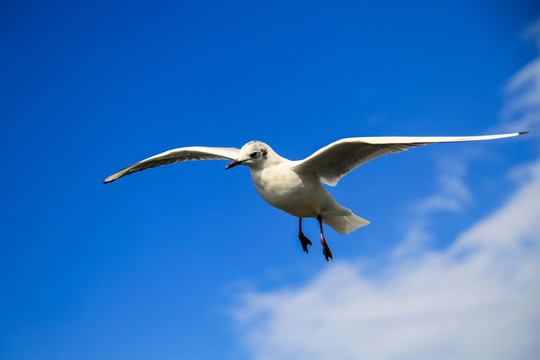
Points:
345	224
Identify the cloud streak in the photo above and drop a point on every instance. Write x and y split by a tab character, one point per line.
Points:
452	195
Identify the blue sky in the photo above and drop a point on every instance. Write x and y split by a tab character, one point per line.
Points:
186	261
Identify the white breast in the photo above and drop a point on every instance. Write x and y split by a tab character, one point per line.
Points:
282	188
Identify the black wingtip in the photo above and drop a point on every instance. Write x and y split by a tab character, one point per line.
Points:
523	132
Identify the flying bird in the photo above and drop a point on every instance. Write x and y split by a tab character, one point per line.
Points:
296	186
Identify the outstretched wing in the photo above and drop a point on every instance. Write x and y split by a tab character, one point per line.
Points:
178	155
334	161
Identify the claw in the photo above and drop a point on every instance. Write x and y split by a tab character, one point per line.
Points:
305	242
326	252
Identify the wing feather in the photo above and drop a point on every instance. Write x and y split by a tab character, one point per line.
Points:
334	161
178	155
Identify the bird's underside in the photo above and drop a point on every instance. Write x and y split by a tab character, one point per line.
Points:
326	165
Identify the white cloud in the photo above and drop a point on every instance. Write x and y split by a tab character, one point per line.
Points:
478	299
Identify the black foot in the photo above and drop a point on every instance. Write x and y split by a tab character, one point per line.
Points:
326	251
305	242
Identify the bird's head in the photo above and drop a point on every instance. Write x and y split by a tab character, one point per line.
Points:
252	154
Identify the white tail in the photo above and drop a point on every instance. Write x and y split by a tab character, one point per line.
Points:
345	224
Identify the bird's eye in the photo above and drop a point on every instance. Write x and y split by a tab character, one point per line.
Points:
253	155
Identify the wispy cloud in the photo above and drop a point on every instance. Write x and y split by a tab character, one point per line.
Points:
523	110
451	196
523	90
477	299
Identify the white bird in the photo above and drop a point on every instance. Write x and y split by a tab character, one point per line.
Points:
296	186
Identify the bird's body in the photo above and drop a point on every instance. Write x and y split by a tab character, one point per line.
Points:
280	186
301	195
296	186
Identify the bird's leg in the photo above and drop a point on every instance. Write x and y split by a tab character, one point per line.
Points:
326	250
303	240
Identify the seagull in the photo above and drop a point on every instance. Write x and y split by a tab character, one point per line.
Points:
296	186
